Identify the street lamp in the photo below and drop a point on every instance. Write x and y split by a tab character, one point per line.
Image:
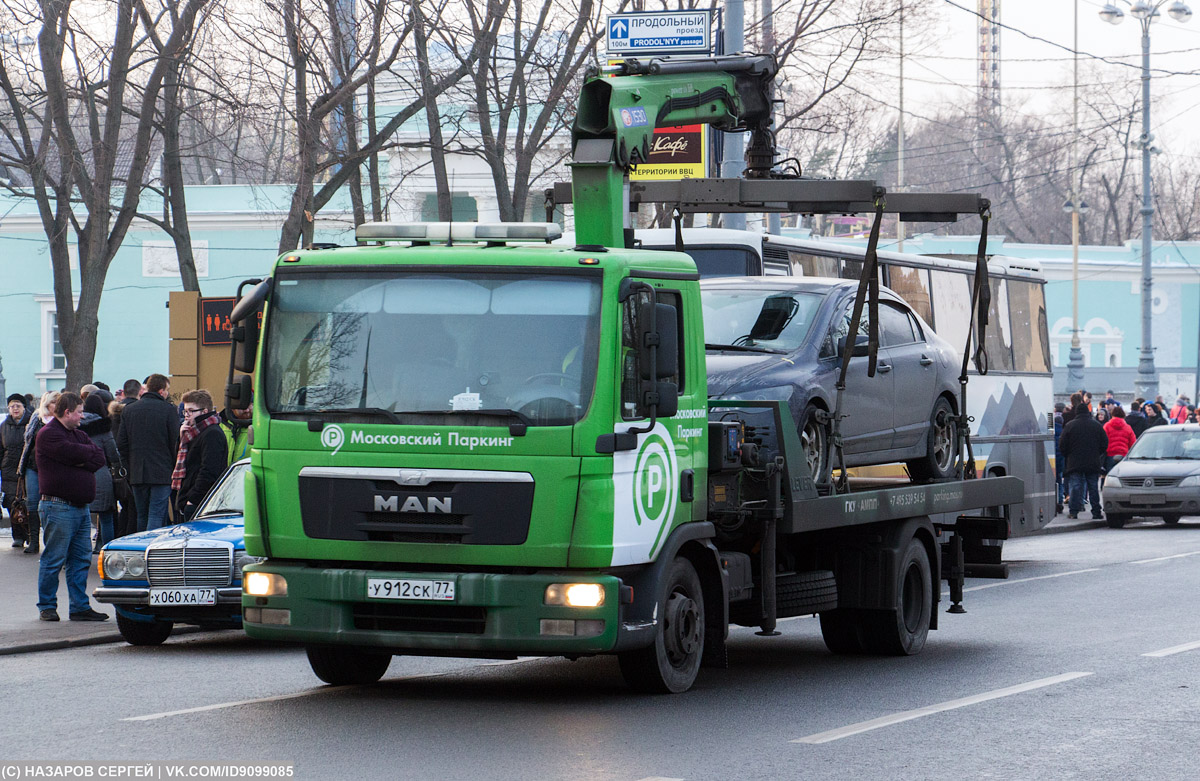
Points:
1146	383
1076	208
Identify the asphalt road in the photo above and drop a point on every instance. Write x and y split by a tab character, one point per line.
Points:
1051	674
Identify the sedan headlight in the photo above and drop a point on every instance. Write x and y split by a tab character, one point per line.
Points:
241	559
1191	481
123	565
774	393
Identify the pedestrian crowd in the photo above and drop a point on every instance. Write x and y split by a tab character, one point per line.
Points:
1089	443
78	470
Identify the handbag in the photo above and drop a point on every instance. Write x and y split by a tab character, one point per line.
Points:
120	482
19	511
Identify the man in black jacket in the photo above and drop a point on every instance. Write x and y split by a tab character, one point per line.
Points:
203	453
1084	446
148	442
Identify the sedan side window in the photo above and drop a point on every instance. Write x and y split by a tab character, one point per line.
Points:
839	329
895	327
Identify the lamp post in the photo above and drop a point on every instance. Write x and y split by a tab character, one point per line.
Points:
1145	12
1075	207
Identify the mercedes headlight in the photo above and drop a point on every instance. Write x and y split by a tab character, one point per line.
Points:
241	559
123	565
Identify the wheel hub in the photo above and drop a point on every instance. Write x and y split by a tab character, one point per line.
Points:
681	633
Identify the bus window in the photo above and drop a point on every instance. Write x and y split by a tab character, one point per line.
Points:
952	306
721	261
912	284
813	265
1031	335
999	331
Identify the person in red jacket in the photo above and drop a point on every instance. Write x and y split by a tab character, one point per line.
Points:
1120	439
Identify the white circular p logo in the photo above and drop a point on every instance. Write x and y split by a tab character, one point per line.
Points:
334	437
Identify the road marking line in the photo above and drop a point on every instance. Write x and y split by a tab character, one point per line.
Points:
1027	580
1175	649
909	715
1164	558
660	778
310	692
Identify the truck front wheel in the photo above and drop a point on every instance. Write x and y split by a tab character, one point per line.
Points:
347	665
902	630
671	663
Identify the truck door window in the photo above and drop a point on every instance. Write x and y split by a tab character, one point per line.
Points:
631	408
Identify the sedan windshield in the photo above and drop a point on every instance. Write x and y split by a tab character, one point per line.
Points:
1167	444
228	497
765	319
433	348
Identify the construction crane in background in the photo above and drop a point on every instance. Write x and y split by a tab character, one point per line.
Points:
989	56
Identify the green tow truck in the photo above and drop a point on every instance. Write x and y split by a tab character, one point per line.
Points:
470	442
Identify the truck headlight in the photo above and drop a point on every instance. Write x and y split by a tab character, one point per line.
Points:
123	565
264	584
1191	481
575	594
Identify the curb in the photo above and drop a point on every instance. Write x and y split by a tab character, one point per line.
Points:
1073	527
80	642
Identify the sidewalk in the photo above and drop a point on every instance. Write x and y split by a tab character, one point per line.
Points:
20	628
21	631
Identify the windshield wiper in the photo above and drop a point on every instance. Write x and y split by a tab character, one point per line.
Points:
220	511
517	428
742	348
387	413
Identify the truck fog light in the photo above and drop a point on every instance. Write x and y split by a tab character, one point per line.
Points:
265	584
565	627
575	594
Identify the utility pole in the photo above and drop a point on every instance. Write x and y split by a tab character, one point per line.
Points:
900	137
774	224
1075	379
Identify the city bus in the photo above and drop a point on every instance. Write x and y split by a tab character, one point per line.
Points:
1011	407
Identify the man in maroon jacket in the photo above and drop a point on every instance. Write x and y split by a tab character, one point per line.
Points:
67	462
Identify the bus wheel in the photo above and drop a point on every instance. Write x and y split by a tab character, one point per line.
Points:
347	665
941	445
901	631
670	664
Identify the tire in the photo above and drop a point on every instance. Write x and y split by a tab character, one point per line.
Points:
840	630
814	443
902	630
1115	521
941	444
1171	520
347	665
670	664
143	632
805	593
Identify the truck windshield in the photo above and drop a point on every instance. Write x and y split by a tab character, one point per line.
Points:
433	348
757	318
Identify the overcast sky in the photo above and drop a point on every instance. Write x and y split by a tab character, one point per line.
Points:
1037	73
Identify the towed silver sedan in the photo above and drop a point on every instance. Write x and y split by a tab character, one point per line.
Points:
1159	478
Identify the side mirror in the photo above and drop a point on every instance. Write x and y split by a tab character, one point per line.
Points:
239	393
668	399
861	346
246	321
665	337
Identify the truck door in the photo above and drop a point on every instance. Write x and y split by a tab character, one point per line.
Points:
913	367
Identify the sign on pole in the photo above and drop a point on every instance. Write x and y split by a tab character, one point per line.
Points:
660	32
675	153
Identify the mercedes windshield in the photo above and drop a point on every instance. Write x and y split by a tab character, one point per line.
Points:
420	347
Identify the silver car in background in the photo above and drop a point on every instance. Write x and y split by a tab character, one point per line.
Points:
1159	478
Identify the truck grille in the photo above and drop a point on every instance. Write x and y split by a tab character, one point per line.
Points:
189	566
446	619
1140	482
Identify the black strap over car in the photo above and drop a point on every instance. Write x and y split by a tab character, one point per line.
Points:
981	302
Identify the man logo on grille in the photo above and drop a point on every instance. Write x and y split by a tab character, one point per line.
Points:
334	437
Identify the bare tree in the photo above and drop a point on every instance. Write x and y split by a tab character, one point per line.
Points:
81	130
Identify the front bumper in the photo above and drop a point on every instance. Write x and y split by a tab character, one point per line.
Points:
133	602
1150	501
493	614
140	595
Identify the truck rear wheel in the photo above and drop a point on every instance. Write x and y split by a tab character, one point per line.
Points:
840	630
347	665
902	630
671	663
143	632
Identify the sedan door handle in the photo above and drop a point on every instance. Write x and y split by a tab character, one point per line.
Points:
926	360
884	368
